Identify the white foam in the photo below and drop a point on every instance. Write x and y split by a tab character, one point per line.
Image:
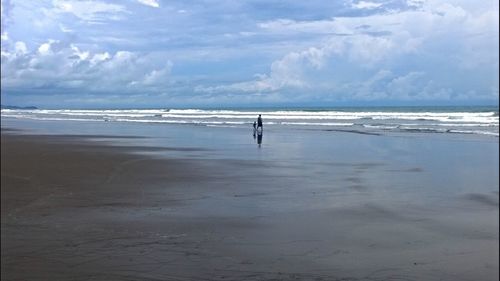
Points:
315	124
384	127
476	132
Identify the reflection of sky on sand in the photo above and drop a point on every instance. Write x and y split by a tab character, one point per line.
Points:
316	162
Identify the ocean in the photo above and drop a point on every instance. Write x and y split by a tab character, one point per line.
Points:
475	120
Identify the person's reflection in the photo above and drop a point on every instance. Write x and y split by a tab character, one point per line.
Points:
259	137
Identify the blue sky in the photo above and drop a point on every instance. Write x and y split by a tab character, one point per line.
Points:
155	53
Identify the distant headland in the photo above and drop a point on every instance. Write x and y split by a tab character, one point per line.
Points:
17	107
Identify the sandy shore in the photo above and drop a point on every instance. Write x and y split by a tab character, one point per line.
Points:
79	210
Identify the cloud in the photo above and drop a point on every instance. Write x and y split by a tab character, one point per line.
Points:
151	3
415	3
54	66
5	8
65	29
435	32
285	73
291	26
89	11
20	48
365	5
372	88
387	85
406	86
246	50
294	69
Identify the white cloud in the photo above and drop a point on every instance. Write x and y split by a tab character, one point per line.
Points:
44	49
89	11
415	3
158	76
99	57
368	50
405	86
288	25
61	66
5	8
411	86
372	88
20	48
151	3
365	5
65	29
80	54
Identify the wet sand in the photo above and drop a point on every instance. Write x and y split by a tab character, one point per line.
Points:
79	210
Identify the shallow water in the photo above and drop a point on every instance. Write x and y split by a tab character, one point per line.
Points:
424	166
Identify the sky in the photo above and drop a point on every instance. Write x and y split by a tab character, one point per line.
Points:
207	53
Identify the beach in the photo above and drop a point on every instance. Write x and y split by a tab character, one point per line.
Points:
154	140
105	201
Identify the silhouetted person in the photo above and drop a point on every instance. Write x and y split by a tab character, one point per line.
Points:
259	123
254	127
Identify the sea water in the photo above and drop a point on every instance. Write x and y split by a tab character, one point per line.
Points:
476	120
